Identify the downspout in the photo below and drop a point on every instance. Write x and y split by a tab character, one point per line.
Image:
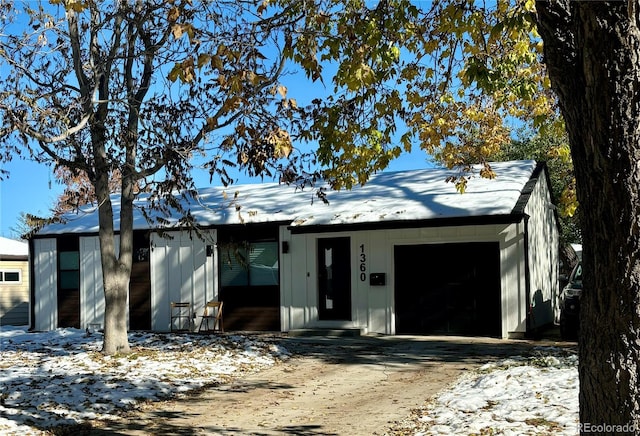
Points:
527	278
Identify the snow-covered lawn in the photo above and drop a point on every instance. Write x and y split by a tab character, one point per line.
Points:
60	377
518	396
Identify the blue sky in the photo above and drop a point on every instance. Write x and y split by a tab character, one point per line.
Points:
32	188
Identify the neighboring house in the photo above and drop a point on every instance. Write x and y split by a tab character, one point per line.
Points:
14	282
404	254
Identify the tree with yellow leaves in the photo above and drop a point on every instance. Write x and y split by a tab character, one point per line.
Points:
140	89
145	86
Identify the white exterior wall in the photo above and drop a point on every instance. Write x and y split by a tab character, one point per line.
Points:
514	280
543	254
92	302
181	272
46	284
373	306
91	286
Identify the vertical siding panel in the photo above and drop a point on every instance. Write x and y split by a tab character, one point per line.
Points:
187	266
296	290
360	288
45	283
380	298
199	290
159	284
285	261
543	253
514	305
181	272
211	268
91	286
174	270
311	281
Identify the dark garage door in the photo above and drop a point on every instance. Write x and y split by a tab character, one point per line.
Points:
449	289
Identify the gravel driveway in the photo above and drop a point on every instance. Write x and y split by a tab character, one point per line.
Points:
329	386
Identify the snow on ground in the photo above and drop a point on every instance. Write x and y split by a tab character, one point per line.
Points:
519	396
61	378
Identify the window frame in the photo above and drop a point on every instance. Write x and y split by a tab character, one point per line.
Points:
245	249
3	273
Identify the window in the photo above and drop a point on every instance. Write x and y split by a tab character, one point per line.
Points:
263	264
69	269
252	264
10	276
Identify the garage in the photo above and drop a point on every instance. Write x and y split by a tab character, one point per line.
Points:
450	289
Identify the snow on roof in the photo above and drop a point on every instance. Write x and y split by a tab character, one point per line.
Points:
12	247
388	196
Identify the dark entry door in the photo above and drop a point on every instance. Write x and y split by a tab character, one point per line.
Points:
334	279
448	289
68	282
140	284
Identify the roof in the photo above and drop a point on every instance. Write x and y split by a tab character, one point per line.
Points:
13	249
387	197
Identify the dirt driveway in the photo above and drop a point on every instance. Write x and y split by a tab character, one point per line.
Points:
330	386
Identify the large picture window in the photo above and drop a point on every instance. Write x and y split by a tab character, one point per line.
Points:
249	264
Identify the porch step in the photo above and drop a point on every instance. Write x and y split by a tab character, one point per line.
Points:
354	332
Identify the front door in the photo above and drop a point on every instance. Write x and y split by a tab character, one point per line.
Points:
334	279
140	284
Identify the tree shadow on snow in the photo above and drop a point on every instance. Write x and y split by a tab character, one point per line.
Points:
419	350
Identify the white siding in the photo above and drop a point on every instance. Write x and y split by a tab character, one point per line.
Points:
91	286
45	284
181	272
379	298
513	279
543	254
373	306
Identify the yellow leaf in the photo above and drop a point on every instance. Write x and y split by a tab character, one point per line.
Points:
282	143
461	185
174	73
231	103
203	59
76	6
530	5
216	63
282	90
176	29
190	30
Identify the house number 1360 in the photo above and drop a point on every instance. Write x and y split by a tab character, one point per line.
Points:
363	264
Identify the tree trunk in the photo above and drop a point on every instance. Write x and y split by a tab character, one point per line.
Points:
116	340
116	264
592	50
116	273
